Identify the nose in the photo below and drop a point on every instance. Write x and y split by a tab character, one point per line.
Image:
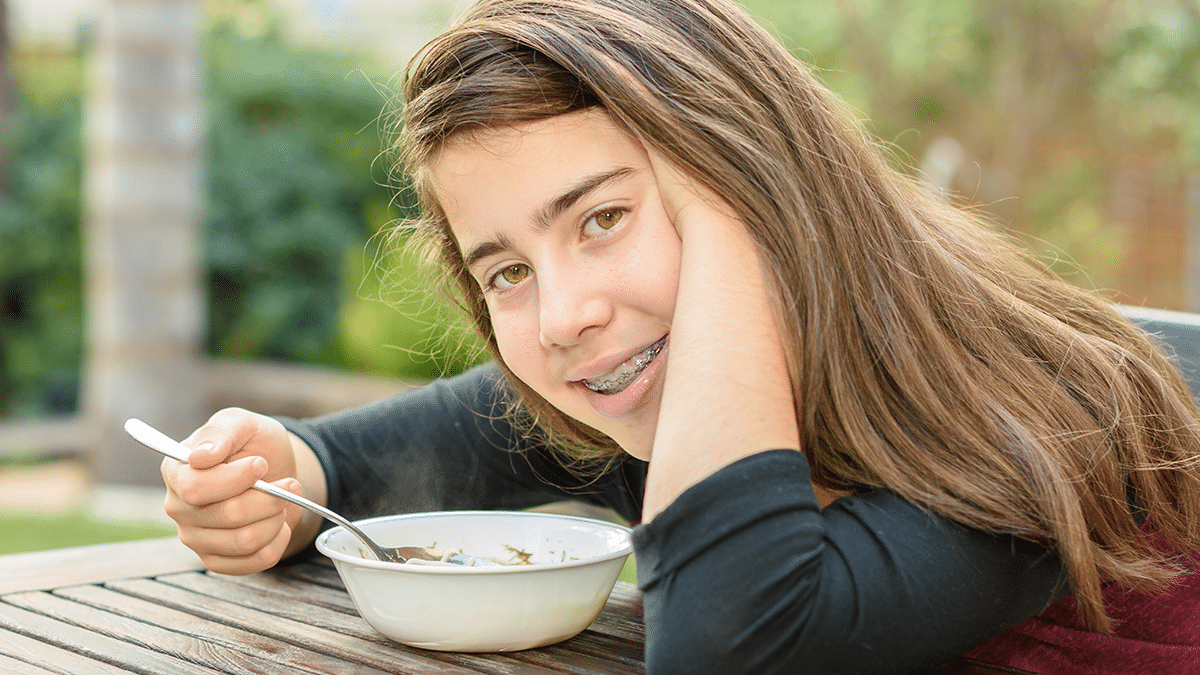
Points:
572	303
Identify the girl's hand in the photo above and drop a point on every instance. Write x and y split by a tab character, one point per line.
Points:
233	528
727	392
684	198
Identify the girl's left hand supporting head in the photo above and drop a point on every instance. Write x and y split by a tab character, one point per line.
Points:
682	195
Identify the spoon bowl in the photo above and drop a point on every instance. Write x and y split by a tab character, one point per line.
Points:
159	442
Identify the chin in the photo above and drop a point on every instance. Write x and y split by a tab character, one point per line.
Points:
644	456
637	450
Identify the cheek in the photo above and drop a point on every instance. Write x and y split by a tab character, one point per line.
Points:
665	288
518	346
653	272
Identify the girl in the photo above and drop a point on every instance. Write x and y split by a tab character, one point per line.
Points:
861	432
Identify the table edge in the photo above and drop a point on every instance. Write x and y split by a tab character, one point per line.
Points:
44	570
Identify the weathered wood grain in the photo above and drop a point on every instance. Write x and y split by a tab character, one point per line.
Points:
282	600
350	649
11	666
75	649
211	639
336	599
230	589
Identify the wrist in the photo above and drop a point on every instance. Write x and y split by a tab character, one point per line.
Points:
311	477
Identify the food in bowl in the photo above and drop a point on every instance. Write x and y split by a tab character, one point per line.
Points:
555	575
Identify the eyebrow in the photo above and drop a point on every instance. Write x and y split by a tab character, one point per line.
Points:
550	211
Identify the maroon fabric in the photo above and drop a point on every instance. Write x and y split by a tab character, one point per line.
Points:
1152	634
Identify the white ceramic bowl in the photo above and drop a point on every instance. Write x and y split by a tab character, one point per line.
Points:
573	565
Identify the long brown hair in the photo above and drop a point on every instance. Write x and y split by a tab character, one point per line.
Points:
929	354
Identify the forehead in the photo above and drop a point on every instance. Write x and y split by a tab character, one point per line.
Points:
518	168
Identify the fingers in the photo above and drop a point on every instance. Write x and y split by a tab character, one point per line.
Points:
225	435
261	559
201	487
218	504
232	527
238	535
229	453
235	542
682	193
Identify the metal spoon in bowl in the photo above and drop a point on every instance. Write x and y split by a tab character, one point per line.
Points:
158	441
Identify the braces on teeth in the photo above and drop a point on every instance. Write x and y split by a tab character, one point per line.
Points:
626	371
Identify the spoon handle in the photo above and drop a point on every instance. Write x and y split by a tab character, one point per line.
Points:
163	444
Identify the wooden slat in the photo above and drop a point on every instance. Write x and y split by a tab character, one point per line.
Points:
314	572
291	600
78	650
622	616
11	666
27	649
297	618
44	570
602	653
569	658
210	642
621	623
271	583
351	649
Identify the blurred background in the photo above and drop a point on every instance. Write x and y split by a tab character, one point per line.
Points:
192	194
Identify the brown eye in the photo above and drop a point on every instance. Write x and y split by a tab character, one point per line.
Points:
513	274
602	221
607	220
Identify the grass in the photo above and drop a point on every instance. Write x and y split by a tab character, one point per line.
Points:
629	572
21	533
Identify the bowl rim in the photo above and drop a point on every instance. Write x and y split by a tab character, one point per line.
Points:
339	556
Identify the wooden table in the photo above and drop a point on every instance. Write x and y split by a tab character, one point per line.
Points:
148	607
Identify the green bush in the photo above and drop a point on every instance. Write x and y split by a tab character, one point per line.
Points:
296	188
41	332
298	185
289	181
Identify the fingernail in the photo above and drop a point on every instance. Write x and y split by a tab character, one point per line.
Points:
259	466
204	447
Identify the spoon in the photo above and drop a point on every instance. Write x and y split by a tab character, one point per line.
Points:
159	442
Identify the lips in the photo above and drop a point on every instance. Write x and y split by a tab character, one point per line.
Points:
621	376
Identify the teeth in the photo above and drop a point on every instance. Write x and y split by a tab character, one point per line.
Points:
616	381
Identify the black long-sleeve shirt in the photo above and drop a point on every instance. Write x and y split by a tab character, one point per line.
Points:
743	573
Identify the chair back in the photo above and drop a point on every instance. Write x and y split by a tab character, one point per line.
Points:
1180	331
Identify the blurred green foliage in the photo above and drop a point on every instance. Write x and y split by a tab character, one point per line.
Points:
297	187
288	180
1066	117
298	183
1076	119
41	334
